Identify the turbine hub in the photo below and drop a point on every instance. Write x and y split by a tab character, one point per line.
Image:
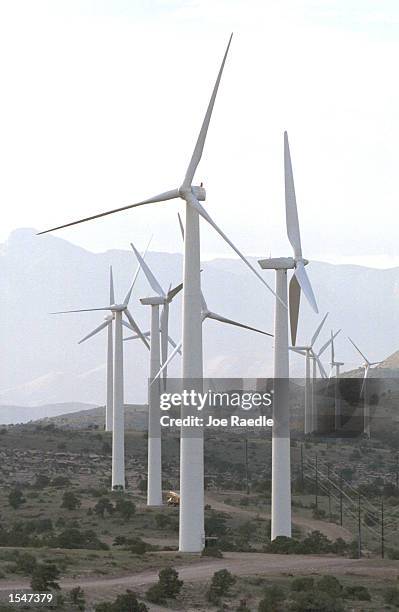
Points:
118	307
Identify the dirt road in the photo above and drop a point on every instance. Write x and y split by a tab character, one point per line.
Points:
331	530
240	564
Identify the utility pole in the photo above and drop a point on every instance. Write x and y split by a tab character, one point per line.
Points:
359	528
340	498
317	486
302	474
382	529
246	466
329	491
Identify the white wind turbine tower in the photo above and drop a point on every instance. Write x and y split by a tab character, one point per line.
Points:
154	481
367	365
118	428
336	369
281	469
191	524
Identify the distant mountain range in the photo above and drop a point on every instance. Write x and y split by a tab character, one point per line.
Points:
42	363
24	414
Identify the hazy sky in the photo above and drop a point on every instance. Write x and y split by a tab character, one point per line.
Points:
102	101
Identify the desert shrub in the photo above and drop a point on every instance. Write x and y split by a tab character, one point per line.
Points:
70	501
358	592
162	520
102	506
60	481
137	546
391	596
305	583
312	601
215	524
212	551
125	508
44	577
330	585
25	563
74	538
221	583
77	598
155	595
42	481
126	602
169	582
273	596
16	498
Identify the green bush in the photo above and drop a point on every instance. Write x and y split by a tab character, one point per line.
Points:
358	592
330	585
155	595
305	583
44	577
391	596
212	551
220	585
169	582
16	498
315	601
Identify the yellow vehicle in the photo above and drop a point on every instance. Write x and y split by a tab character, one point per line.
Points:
173	499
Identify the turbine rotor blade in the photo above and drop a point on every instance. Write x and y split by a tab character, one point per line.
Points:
199	147
318	330
294	302
129	293
111	287
327	344
146	334
332	348
136	328
291	210
173	292
167	195
167	362
366	372
82	310
358	350
148	273
201	210
216	317
181	225
304	282
173	344
320	365
95	331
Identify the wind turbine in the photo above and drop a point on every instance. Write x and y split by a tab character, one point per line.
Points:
118	429
281	470
164	301
154	481
367	365
191	524
108	319
310	356
336	365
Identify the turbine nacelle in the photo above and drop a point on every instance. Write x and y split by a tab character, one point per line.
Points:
198	191
154	300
